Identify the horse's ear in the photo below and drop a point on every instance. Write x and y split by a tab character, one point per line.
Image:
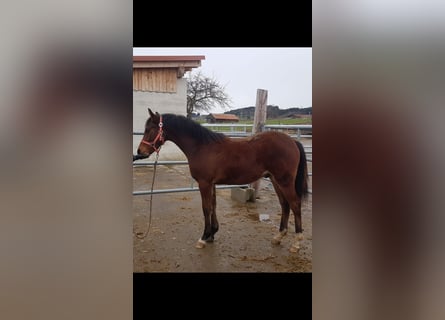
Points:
155	117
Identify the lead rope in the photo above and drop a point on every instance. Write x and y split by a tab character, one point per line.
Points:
142	235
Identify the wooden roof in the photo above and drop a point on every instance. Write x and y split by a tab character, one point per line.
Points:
167	58
181	63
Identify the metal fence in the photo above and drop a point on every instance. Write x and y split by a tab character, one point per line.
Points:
236	130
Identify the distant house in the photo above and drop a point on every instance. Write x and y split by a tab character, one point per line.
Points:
222	118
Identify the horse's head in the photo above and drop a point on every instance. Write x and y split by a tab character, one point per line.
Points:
153	137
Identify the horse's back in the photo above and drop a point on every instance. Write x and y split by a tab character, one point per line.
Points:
272	149
274	141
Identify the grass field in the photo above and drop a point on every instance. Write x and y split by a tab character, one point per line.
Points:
288	121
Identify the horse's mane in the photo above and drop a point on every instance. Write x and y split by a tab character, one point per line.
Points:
189	127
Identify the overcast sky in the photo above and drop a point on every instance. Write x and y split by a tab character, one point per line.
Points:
286	73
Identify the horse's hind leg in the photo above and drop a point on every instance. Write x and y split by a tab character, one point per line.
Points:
285	209
298	229
214	226
287	187
207	191
295	204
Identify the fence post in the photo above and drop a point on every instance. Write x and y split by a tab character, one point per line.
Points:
259	121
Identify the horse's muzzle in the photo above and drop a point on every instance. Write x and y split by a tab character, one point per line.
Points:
140	156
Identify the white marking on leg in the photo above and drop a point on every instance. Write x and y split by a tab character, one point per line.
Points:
277	239
296	245
200	244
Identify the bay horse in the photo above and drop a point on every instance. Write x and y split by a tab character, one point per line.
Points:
217	159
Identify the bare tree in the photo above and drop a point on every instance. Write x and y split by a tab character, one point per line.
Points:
205	93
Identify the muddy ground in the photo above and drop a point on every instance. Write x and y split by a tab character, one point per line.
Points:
242	244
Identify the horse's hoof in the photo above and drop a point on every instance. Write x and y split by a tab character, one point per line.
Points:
294	249
200	244
276	240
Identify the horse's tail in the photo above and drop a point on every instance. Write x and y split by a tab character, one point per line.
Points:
301	181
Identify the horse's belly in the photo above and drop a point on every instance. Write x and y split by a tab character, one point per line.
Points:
230	170
237	177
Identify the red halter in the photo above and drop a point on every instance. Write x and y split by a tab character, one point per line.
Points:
159	137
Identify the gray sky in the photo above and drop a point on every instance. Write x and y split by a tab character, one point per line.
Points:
286	73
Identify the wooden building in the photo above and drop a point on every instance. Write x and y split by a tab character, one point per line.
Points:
161	73
159	84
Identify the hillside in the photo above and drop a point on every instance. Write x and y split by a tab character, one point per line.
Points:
273	112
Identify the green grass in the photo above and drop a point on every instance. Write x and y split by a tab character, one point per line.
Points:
288	121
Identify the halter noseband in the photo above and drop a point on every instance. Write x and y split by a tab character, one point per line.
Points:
159	137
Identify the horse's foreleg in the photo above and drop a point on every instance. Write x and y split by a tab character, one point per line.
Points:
206	190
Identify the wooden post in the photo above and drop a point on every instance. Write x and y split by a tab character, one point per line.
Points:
259	121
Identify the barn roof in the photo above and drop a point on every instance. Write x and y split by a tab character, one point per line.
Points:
224	116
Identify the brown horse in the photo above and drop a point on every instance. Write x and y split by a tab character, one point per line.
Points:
216	159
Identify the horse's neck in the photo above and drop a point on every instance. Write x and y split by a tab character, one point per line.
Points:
184	142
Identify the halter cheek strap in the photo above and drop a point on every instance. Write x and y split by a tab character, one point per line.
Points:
159	137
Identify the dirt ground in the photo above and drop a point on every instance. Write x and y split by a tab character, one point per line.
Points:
242	244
